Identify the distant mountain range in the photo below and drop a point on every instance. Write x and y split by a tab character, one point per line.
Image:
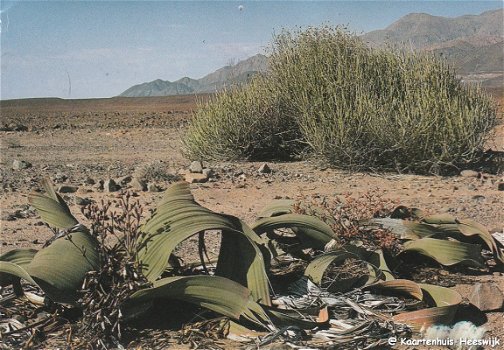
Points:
473	44
229	75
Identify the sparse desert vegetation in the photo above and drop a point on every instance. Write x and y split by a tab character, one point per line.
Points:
337	194
149	149
327	94
312	256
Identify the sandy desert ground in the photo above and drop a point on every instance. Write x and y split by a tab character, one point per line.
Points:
80	142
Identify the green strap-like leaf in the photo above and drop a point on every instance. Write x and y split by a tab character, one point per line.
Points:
467	228
318	266
215	293
241	260
59	269
447	253
440	226
308	227
373	257
9	269
20	257
52	208
179	217
446	302
277	207
404	229
398	286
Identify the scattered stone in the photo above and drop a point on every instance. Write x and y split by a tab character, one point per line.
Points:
13	127
500	186
469	173
472	187
123	181
39	223
196	167
111	186
264	169
82	201
487	297
20	164
478	198
20	127
138	185
195	178
67	189
36	241
8	217
208	172
89	181
98	186
60	177
153	188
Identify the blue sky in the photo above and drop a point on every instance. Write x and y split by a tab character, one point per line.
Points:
86	49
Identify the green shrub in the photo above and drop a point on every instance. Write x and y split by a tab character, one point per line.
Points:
243	123
356	107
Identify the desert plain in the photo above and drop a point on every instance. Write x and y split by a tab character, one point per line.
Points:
80	143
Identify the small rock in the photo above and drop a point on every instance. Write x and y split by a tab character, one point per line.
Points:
196	167
89	181
138	185
20	164
500	186
264	169
153	188
208	172
98	186
39	223
469	173
195	178
82	201
487	297
60	177
123	181
478	198
67	189
111	186
8	217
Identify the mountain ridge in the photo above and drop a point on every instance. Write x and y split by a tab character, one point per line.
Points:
226	76
473	44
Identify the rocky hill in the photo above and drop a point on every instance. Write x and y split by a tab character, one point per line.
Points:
226	76
473	44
